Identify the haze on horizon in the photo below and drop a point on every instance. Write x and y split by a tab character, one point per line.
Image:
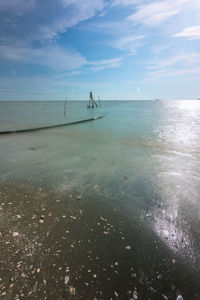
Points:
119	49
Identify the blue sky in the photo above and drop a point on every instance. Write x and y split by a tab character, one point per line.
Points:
119	49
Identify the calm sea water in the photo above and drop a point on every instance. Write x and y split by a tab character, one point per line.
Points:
135	173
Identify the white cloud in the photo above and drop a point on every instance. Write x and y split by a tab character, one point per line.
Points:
154	13
46	21
71	13
193	33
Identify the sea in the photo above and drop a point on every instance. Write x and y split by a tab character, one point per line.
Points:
103	209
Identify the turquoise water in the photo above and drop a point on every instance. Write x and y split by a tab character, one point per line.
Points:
138	168
16	115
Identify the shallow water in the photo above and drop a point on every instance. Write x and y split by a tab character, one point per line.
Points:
113	203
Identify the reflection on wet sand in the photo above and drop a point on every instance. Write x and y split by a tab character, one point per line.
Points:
59	244
179	185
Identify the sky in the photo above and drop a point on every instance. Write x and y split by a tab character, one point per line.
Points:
119	49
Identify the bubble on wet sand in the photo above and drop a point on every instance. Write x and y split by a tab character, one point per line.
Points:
128	247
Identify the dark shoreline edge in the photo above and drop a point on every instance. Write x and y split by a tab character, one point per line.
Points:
50	126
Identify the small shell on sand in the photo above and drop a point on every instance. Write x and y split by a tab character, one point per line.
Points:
66	279
72	290
135	295
15	234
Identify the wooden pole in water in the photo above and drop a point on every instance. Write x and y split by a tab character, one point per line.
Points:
99	101
65	104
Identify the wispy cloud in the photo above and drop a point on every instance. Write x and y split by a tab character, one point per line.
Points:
56	58
50	56
106	64
129	43
180	74
187	60
157	49
192	33
155	13
177	66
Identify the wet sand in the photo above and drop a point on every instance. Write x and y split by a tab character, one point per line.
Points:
66	245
